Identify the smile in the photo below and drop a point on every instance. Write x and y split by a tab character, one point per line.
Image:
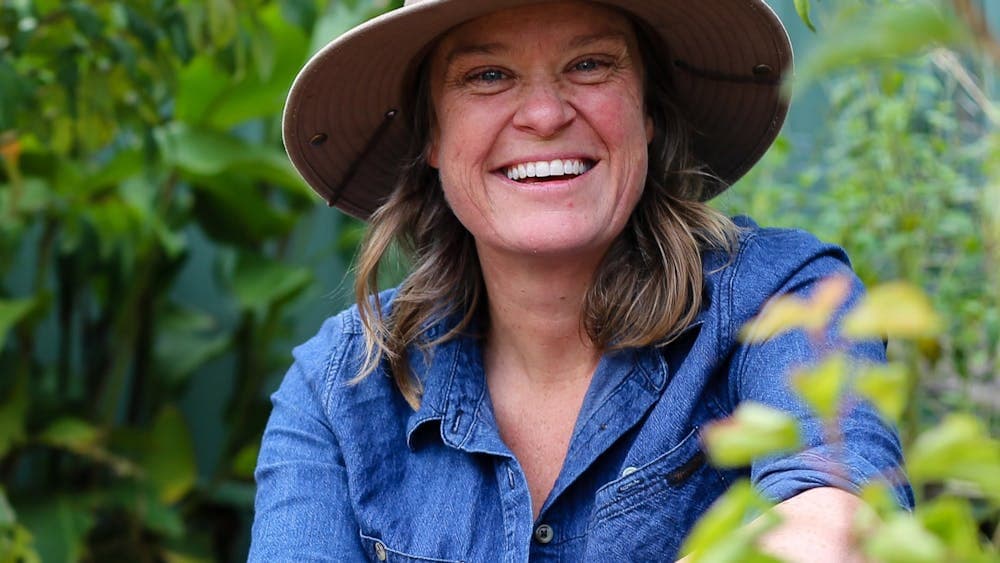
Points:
548	169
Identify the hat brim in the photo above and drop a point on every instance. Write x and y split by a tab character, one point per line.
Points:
344	132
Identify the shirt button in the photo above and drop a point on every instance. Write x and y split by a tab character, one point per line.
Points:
628	471
380	551
544	534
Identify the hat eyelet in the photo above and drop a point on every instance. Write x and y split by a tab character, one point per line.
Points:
763	70
318	139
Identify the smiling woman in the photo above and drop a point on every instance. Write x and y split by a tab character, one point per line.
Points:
535	388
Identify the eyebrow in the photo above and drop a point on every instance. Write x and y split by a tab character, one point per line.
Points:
494	48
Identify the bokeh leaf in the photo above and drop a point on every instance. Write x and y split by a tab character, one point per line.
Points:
822	386
169	463
258	283
12	311
895	310
803	7
722	534
902	539
886	386
957	449
13	414
790	312
59	525
754	430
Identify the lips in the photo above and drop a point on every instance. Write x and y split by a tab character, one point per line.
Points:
545	170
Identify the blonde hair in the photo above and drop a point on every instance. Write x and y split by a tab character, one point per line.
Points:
645	292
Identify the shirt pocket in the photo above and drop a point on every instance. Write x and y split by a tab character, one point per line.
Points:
378	549
651	508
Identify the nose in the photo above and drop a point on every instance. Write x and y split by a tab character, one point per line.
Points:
543	110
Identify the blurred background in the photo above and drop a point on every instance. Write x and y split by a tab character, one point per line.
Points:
159	257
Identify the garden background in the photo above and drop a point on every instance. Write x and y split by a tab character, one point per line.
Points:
159	258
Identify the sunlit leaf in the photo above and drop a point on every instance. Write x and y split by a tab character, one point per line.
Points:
902	539
822	386
754	430
7	515
71	433
886	386
803	8
952	521
187	340
722	534
957	449
895	310
169	463
790	312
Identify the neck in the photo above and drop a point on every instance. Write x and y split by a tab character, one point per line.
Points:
535	334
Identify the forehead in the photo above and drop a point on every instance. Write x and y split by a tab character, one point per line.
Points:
551	22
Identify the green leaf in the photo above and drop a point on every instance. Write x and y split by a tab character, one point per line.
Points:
958	449
877	34
7	515
754	430
895	309
887	387
13	416
169	462
803	7
822	386
246	461
790	312
187	340
902	539
722	534
60	526
259	283
11	313
951	520
72	434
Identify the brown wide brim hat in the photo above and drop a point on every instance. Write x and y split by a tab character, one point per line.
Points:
344	125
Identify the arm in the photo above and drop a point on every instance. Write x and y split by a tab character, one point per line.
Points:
302	509
815	528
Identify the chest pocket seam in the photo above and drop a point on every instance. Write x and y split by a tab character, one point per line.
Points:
371	541
653	480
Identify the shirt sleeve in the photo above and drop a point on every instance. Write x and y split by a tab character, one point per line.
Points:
862	447
302	506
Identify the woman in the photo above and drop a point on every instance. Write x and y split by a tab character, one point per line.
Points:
534	390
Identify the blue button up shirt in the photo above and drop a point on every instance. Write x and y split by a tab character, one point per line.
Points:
349	472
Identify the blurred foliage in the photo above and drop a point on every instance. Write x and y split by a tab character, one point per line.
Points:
905	177
135	134
130	134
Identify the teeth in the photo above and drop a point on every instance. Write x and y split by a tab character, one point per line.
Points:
546	168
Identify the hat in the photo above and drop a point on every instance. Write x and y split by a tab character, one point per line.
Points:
345	131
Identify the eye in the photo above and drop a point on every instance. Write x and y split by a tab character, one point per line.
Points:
487	76
589	65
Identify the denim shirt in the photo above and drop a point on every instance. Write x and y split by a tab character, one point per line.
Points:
349	472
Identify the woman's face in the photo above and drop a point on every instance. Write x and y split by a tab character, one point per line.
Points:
540	133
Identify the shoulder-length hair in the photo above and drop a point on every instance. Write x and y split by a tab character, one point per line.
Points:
647	289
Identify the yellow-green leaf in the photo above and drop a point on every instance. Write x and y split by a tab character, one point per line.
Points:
72	434
790	312
722	533
170	460
895	309
887	387
823	385
754	430
958	449
803	8
902	539
11	313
